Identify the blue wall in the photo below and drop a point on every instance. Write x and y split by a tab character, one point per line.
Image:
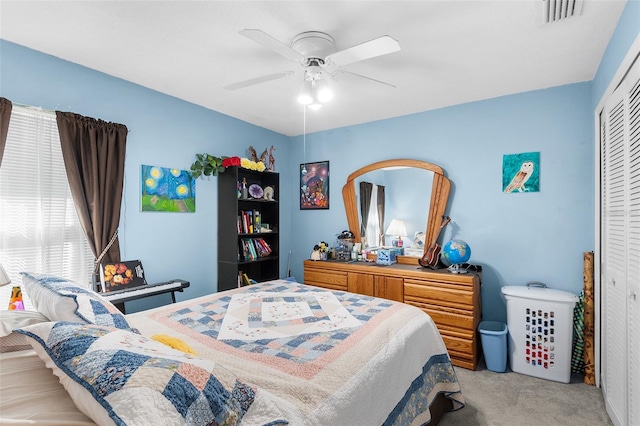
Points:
163	131
515	237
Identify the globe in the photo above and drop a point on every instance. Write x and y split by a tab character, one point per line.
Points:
456	252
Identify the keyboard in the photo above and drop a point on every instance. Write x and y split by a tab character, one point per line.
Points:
135	292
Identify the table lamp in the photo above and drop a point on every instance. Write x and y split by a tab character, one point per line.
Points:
398	230
15	303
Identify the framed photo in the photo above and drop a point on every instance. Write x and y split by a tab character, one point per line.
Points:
314	186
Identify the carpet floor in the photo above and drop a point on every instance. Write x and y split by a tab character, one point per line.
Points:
510	399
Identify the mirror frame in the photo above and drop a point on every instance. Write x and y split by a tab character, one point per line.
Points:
439	196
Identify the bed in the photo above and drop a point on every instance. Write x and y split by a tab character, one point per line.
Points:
272	353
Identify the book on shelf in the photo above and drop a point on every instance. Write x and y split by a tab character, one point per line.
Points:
244	280
249	222
257	220
254	248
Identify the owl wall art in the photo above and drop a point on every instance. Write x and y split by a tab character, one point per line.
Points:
521	172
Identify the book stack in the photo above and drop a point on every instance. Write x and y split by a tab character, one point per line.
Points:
243	279
254	248
249	221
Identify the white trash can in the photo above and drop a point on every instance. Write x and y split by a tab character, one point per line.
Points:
540	323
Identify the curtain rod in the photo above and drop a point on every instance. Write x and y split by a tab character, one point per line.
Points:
36	108
50	111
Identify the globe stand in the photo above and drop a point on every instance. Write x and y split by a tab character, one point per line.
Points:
457	269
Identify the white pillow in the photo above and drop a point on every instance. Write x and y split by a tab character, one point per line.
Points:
63	300
11	320
116	376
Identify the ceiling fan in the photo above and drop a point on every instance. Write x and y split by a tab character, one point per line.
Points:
316	52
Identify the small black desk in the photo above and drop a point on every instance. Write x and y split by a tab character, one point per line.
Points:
171	286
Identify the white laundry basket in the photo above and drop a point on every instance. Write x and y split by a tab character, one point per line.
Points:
540	322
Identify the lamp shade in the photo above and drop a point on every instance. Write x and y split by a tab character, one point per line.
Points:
397	228
4	278
305	97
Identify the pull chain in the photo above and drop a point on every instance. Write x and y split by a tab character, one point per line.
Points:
304	139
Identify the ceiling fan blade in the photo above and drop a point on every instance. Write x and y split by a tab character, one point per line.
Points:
369	49
258	80
269	42
338	73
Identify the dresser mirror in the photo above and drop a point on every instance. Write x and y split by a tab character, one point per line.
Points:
413	189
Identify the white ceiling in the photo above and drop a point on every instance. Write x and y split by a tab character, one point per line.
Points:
452	52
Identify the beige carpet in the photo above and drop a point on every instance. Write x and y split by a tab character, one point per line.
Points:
510	399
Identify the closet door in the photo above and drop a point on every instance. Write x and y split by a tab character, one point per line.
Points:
614	319
633	244
620	260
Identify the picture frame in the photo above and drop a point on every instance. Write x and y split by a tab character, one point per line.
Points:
521	173
314	186
165	189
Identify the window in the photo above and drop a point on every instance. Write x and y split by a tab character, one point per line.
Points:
39	228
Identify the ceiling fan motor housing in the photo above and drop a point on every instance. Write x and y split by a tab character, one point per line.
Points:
314	45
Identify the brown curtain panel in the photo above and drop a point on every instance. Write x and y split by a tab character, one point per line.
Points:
366	190
380	207
93	152
5	115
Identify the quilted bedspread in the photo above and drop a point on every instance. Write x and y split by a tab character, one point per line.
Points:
316	357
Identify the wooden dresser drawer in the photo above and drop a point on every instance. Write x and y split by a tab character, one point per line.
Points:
439	294
446	316
333	280
461	346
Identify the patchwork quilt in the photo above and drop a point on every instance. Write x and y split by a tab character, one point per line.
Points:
316	357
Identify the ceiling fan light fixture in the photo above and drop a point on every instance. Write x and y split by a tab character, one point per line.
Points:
323	91
305	97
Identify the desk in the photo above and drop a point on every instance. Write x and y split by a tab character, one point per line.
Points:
119	298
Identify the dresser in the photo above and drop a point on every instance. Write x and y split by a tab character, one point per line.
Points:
452	300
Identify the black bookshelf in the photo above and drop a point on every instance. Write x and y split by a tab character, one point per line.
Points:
261	262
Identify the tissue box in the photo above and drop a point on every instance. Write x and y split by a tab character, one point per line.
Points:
386	256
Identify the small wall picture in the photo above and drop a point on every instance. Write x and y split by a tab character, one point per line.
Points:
314	186
521	172
167	190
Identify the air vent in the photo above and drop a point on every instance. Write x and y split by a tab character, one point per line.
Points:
557	10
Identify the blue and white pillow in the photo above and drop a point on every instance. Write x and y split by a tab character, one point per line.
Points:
62	300
116	376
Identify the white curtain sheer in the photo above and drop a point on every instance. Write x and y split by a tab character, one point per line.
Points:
39	227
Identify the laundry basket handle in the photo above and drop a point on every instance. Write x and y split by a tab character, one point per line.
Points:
536	284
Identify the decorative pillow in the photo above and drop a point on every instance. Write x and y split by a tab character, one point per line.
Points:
9	321
113	375
63	300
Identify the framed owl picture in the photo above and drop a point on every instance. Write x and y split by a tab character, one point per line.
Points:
521	172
